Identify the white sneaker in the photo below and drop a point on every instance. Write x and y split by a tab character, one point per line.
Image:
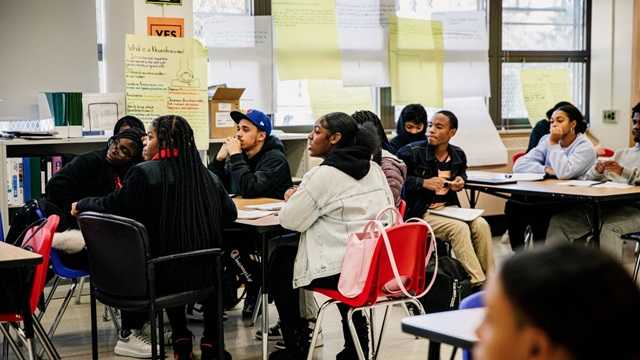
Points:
135	345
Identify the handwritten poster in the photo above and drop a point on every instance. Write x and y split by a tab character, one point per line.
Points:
168	76
543	88
416	61
306	39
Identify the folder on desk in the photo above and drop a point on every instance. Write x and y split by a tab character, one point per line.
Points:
498	179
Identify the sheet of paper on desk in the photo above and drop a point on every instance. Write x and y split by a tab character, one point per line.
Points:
613	185
454	212
253	214
586	183
275	206
527	177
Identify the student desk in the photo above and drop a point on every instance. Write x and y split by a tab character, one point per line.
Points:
17	264
456	328
556	193
268	228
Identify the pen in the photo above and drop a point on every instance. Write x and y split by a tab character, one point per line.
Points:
598	183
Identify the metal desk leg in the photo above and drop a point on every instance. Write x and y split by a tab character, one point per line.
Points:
472	198
596	223
265	296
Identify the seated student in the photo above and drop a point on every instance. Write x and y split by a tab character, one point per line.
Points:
575	224
437	171
394	169
411	127
542	127
96	173
253	163
335	198
565	153
560	303
184	207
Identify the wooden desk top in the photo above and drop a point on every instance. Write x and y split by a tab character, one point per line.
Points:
13	256
455	328
550	187
267	221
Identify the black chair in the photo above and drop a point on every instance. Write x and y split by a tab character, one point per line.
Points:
123	274
634	236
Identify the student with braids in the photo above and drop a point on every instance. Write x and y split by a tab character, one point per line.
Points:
184	207
394	169
335	198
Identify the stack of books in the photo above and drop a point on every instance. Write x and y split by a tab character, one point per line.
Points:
28	176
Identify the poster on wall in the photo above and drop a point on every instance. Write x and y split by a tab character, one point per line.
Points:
168	76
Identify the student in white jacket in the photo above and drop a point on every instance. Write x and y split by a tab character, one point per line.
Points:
617	219
565	153
334	199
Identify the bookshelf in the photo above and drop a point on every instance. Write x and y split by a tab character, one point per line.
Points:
295	149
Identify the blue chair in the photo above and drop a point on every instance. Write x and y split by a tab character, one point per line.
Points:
471	302
61	271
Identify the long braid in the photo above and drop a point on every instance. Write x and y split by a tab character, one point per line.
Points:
190	214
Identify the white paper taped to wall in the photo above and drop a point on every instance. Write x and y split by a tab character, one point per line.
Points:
240	56
363	41
466	44
477	135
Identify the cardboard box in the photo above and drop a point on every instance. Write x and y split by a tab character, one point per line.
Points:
221	104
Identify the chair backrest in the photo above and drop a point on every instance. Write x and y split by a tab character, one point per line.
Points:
118	250
409	242
38	239
402	208
517	156
473	301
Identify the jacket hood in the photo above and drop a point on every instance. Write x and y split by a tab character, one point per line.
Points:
353	161
403	137
272	143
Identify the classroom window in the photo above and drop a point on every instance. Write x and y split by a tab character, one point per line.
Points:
537	36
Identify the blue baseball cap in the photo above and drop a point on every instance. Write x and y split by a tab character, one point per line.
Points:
256	117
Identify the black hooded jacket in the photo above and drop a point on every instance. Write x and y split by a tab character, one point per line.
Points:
403	137
421	163
86	175
267	174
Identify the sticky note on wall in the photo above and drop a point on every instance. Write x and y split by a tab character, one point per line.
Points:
306	39
416	61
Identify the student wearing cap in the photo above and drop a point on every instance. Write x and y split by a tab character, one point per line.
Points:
253	164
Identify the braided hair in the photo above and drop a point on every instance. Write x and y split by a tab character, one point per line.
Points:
191	206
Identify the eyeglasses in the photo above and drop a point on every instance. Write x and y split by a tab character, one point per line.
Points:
122	150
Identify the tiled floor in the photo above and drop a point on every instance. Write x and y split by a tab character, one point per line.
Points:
73	338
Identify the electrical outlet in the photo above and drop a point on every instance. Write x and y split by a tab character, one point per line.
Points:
609	117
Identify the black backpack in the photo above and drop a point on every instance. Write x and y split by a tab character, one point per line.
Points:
25	217
452	283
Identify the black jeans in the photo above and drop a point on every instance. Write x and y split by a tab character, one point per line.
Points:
520	215
178	320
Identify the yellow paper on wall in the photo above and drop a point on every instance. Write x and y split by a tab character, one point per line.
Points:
416	61
328	96
543	88
306	39
168	76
